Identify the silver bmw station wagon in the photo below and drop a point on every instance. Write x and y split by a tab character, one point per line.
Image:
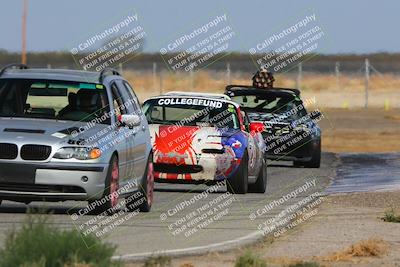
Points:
73	135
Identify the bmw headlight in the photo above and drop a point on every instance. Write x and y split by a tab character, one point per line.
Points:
81	153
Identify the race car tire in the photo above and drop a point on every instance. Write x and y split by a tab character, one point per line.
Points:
261	183
315	161
146	191
110	192
238	183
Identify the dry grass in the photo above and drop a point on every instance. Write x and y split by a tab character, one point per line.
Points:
373	247
293	262
283	261
206	81
340	141
393	117
360	130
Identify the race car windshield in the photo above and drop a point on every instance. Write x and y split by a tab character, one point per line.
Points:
55	100
274	104
191	112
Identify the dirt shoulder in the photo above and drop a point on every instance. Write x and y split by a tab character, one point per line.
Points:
341	221
361	130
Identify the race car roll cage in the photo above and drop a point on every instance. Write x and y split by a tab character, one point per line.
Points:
247	88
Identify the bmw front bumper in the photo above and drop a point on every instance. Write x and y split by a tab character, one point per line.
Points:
51	181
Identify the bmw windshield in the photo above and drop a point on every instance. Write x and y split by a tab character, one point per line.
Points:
55	100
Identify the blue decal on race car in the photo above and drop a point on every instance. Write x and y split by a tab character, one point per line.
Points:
235	139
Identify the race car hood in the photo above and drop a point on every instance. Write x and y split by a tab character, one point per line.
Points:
46	132
277	124
270	118
189	142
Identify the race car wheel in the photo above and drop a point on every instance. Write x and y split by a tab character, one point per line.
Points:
109	201
145	197
238	183
315	161
261	183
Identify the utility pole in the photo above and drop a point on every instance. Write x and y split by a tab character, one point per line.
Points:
154	75
337	73
228	72
24	14
161	82
367	67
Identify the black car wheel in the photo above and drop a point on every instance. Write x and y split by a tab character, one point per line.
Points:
238	183
261	183
143	199
315	161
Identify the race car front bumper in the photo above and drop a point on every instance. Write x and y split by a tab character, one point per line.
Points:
209	167
51	181
297	147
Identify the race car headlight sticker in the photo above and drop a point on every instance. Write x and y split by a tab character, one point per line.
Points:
237	144
232	142
81	153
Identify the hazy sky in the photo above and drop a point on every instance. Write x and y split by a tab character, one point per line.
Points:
349	26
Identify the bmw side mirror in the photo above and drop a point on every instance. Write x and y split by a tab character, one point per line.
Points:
130	120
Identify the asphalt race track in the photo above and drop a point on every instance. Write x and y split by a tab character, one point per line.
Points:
235	220
146	233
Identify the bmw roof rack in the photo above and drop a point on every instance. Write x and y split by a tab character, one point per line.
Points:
13	66
104	74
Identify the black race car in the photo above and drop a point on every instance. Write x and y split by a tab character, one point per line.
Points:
290	132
